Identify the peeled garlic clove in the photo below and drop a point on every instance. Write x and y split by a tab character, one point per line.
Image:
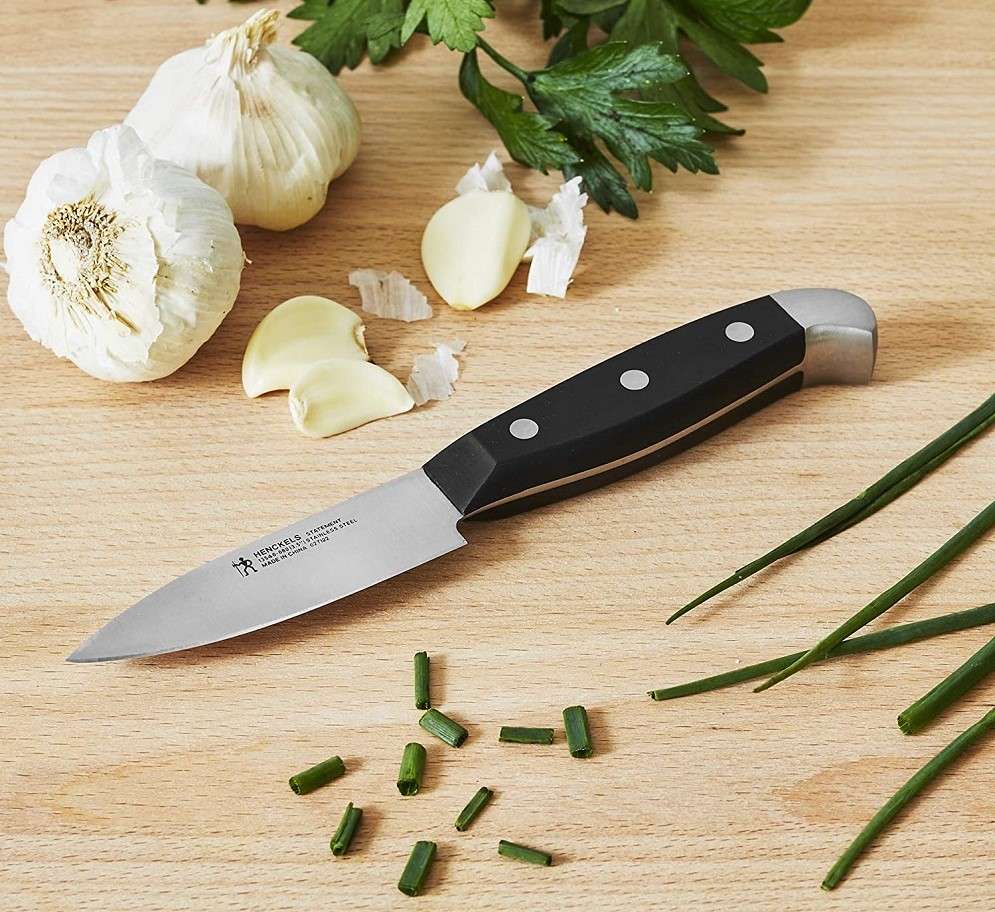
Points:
293	337
473	244
341	394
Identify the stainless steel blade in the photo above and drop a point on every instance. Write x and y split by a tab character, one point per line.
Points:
365	540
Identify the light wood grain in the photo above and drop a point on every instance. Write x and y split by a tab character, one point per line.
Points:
161	784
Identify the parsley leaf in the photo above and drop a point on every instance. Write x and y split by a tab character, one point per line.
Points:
453	22
601	179
529	138
344	30
582	92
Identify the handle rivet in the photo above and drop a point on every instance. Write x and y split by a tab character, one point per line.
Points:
739	332
634	379
523	428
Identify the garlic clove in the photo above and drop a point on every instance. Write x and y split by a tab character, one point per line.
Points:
473	244
293	337
341	394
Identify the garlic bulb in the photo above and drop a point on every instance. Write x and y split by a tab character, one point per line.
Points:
268	127
122	263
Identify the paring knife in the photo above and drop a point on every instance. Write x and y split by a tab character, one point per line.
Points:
622	415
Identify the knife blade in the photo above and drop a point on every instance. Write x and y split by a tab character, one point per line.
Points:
618	417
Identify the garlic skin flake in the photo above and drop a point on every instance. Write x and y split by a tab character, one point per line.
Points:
489	176
434	374
558	236
267	126
121	262
390	295
341	394
473	244
293	337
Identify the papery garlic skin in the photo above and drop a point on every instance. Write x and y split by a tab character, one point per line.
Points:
123	263
294	336
267	126
390	295
433	375
341	394
473	244
558	234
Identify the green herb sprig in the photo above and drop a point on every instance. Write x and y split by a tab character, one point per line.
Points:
599	112
871	642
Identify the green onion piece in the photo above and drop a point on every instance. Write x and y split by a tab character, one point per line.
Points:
412	769
881	639
416	870
346	830
891	485
905	794
473	807
522	853
422	700
939	558
578	731
319	775
949	690
517	735
435	723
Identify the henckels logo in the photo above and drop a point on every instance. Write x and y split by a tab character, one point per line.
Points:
243	565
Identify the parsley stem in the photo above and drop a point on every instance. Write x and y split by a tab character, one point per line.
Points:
503	61
513	734
880	639
412	769
422	700
523	853
886	489
318	775
578	732
949	690
904	795
473	807
346	830
950	549
435	723
416	870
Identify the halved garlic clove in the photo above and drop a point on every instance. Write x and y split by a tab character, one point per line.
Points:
295	335
473	244
341	394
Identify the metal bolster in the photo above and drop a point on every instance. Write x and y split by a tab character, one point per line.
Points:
841	334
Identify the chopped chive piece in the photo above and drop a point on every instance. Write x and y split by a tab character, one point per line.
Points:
578	731
904	795
422	700
347	829
473	807
517	735
435	723
949	690
412	768
878	606
416	870
891	485
522	853
319	775
880	639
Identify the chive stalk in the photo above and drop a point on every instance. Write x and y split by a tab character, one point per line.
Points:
950	549
871	642
473	807
905	794
886	489
416	870
949	690
412	769
346	830
513	734
422	700
523	853
318	775
435	723
578	731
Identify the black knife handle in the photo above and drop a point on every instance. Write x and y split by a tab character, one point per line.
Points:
656	399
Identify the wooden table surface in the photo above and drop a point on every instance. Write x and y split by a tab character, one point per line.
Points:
161	784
